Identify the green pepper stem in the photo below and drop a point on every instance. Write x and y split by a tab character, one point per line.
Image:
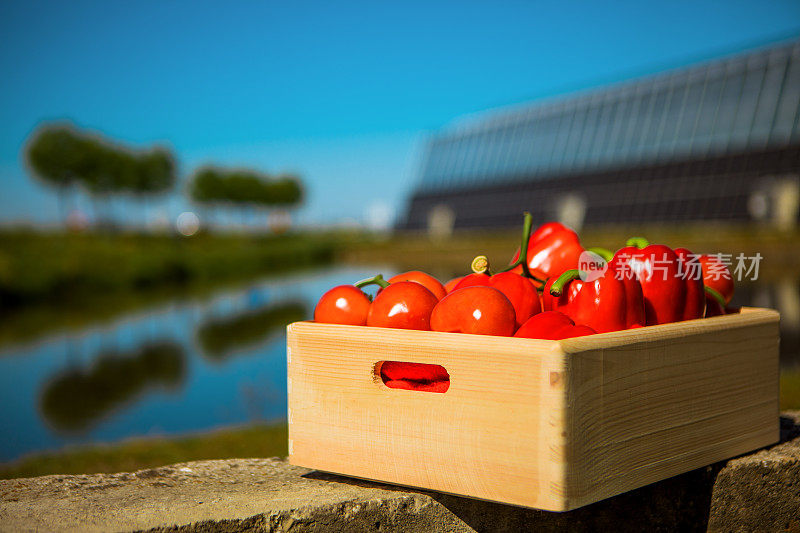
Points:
557	288
376	280
716	295
480	265
639	242
605	253
522	260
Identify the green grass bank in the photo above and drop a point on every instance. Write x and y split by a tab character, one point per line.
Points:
262	440
55	280
62	267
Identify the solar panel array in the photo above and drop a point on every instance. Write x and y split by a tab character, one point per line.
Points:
744	102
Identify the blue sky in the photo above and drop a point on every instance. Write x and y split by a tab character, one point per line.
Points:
342	92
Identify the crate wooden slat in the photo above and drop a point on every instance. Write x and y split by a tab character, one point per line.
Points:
553	425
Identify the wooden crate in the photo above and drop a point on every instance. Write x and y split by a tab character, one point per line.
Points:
553	425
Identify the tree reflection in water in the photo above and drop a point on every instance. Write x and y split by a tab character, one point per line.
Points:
75	400
219	338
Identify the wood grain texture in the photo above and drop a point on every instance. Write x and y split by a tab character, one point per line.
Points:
547	424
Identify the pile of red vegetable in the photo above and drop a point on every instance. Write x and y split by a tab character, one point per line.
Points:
544	296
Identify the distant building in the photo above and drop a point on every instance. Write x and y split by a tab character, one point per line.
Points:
715	141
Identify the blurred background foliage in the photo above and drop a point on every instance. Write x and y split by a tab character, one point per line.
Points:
65	158
70	160
220	337
65	268
214	186
80	397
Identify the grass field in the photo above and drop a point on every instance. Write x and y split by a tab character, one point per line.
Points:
62	267
136	454
446	257
56	280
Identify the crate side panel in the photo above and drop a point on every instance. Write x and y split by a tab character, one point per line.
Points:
496	434
645	411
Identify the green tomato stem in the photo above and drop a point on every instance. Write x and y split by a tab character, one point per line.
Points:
376	280
522	260
480	265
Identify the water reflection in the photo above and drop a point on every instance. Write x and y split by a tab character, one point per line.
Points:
221	337
188	365
80	397
219	360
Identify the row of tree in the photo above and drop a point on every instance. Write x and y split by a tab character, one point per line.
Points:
216	186
66	158
63	157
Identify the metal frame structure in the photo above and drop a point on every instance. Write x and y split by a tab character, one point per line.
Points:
677	133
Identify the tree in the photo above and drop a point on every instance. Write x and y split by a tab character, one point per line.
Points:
61	156
284	191
243	189
206	187
153	174
56	155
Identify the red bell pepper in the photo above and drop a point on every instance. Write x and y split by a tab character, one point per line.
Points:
717	277
713	307
717	281
695	293
552	325
670	293
552	249
609	303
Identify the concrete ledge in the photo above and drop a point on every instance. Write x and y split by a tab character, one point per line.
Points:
760	491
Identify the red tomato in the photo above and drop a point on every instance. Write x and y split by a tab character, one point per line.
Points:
450	286
544	325
578	330
478	310
343	304
519	291
426	280
552	325
404	305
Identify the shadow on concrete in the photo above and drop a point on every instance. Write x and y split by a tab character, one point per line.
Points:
681	503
